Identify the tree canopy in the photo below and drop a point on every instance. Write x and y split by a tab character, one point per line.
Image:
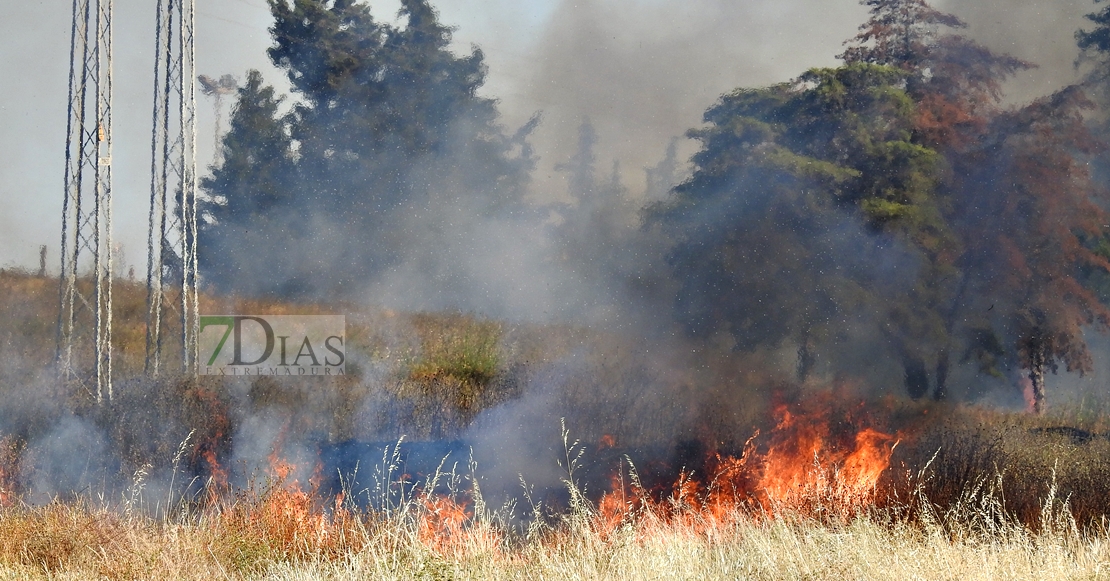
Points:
895	198
385	117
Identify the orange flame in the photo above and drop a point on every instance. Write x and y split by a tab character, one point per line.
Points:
806	466
807	463
449	527
607	441
217	472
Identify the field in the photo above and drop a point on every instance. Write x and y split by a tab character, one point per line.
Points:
212	478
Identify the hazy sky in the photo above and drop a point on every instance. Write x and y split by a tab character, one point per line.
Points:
641	70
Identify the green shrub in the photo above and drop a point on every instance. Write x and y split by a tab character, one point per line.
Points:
458	348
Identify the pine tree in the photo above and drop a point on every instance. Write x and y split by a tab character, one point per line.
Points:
896	140
1094	44
254	179
385	119
770	244
956	83
899	33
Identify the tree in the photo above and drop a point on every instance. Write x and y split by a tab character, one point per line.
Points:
899	33
377	100
259	156
1020	197
1094	44
1033	206
903	156
386	120
955	82
596	231
798	191
253	180
1094	50
955	85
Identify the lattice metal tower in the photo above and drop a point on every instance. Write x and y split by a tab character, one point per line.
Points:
172	323
84	331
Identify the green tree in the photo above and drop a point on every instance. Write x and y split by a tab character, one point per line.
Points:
386	119
1094	44
955	85
253	180
899	33
797	192
955	82
896	141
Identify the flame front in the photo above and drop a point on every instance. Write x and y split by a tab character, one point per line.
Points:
807	469
805	466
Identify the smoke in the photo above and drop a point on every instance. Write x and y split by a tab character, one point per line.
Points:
72	458
1040	32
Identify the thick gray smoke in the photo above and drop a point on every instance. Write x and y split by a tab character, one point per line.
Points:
643	76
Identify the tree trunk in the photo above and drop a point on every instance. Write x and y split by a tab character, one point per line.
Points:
806	359
944	357
917	376
941	392
1036	376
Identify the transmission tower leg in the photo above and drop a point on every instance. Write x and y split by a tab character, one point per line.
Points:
172	300
84	329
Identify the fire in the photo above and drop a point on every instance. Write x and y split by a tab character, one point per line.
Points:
217	472
449	526
209	443
806	464
607	441
818	458
444	518
290	506
292	519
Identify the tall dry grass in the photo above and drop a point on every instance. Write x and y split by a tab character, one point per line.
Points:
442	529
277	532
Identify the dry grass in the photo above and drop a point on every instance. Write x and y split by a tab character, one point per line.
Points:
278	534
1024	458
276	530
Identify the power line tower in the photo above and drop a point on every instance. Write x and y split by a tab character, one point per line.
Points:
172	240
84	328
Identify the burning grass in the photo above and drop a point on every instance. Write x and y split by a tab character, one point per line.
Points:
813	483
806	500
809	498
279	531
